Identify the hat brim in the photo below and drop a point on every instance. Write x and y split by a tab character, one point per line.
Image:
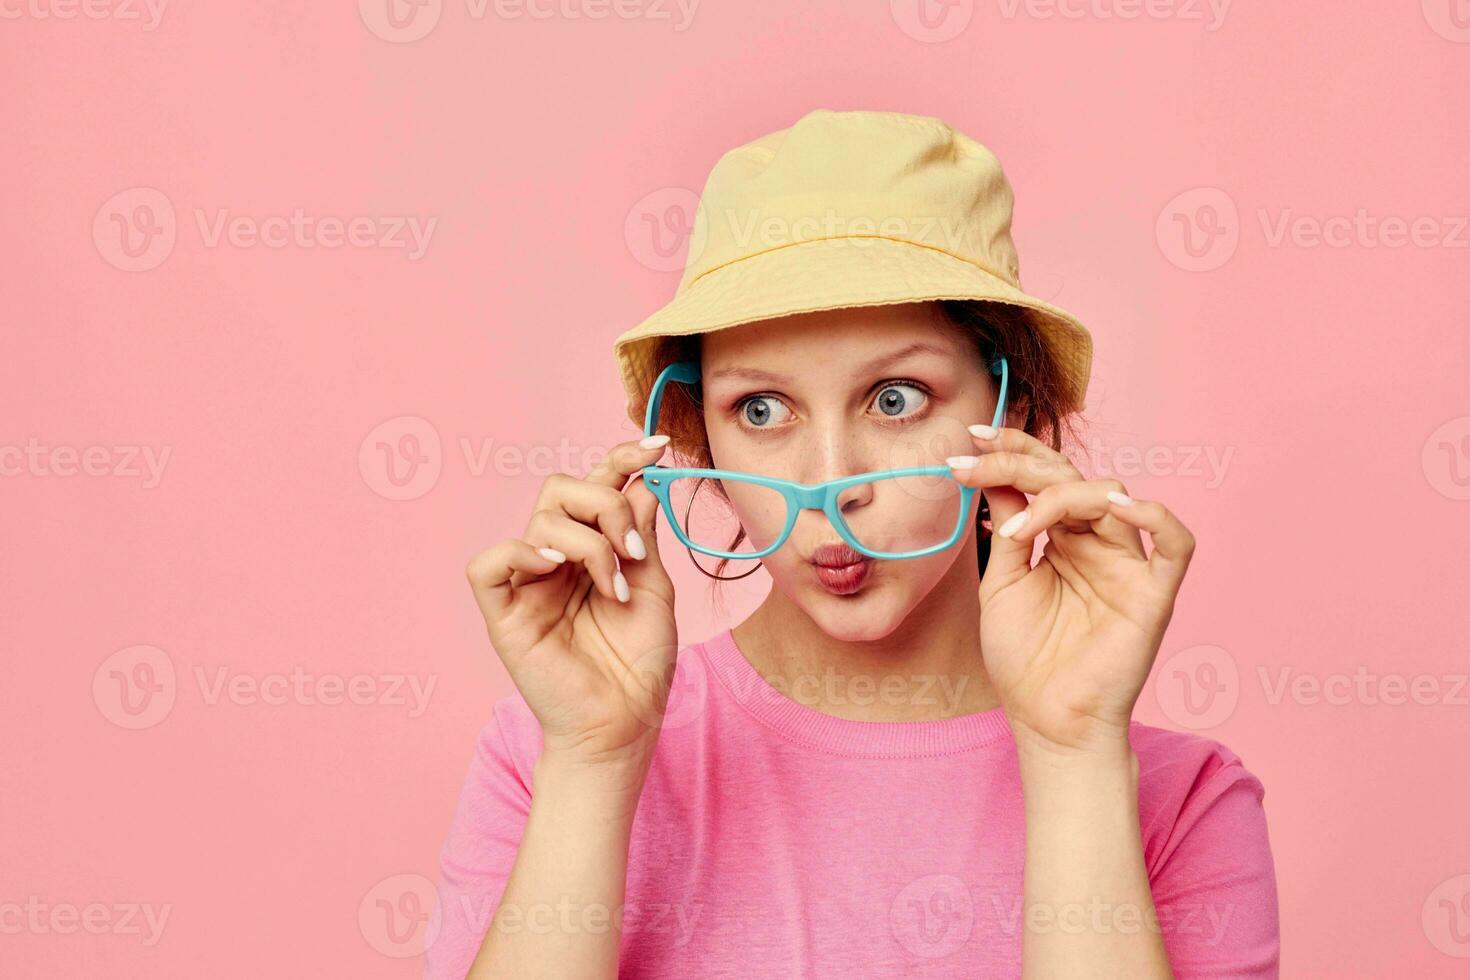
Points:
835	273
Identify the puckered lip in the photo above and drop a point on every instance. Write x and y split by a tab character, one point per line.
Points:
836	556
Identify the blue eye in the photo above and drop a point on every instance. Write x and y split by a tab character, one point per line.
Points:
762	409
898	400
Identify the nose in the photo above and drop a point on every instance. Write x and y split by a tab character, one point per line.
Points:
855	498
832	449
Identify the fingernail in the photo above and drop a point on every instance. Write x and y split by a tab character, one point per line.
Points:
962	462
1014	524
551	554
1121	499
620	587
984	431
654	442
635	543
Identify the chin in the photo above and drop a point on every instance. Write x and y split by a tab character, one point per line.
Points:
871	613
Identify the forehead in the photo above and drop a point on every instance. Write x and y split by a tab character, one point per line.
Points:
826	339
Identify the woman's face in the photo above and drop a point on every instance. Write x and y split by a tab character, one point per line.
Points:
816	396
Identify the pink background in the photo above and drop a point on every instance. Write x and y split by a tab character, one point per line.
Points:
1328	382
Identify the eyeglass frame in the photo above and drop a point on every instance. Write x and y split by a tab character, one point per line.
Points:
798	496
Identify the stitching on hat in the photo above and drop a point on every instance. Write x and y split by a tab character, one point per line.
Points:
904	241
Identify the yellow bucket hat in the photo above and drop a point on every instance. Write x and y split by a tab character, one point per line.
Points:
847	209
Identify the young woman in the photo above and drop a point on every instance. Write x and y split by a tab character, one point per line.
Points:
916	757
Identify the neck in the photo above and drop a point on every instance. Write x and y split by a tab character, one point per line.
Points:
929	667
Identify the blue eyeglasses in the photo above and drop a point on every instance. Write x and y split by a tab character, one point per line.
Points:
885	514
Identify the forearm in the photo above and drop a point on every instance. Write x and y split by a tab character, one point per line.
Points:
1088	908
561	910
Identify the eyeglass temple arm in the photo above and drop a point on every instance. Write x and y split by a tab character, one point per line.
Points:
1003	369
688	373
685	371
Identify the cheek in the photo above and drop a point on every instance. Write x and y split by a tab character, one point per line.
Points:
929	442
760	510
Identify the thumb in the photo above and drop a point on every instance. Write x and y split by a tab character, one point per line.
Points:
1009	559
645	518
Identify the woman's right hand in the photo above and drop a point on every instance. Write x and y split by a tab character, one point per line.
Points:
591	648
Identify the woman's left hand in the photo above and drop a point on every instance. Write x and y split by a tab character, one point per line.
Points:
1068	642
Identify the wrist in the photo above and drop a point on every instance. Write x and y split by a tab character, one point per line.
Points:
613	785
1107	756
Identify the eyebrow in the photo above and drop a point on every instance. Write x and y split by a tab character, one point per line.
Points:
873	364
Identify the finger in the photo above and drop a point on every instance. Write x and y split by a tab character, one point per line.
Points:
595	504
1173	543
644	506
627	458
1083	506
1011	440
1026	472
1009	559
581	544
491	570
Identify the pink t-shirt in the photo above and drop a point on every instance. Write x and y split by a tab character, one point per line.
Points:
773	840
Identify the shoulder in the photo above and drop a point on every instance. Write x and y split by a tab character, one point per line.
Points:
1187	782
1174	762
510	740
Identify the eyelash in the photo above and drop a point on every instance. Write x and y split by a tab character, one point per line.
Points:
889	383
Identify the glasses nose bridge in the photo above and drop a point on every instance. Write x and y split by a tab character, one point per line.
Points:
810	498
